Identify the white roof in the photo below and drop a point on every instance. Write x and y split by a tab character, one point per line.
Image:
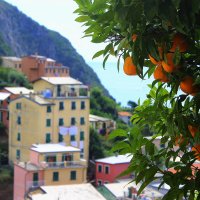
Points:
62	80
118	159
84	191
118	189
95	118
4	95
11	58
53	148
50	60
38	99
18	90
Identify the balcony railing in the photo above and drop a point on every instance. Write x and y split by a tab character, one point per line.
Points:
65	164
34	184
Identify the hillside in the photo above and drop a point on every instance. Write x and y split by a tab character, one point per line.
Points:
20	35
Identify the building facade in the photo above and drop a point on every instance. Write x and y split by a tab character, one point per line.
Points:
56	112
107	169
49	165
6	95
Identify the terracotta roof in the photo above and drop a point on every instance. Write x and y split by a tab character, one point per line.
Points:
124	113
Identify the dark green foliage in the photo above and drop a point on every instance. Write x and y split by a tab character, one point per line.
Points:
20	35
102	105
99	147
11	77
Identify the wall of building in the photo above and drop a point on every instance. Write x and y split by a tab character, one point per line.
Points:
114	171
64	176
19	183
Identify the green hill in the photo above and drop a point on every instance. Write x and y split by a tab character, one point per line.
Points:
20	35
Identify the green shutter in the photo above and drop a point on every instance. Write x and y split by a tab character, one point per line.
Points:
19	120
18	137
82	105
72	138
48	109
73	121
73	175
48	138
82	135
73	105
82	121
61	105
60	137
61	122
18	154
48	122
55	176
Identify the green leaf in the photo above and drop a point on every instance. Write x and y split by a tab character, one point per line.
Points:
82	18
97	54
117	133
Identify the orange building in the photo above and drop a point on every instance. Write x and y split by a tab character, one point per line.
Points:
35	66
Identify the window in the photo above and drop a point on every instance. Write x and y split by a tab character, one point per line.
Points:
99	168
48	109
60	137
18	106
73	121
99	182
48	122
55	176
61	122
58	90
72	137
48	138
73	175
18	154
82	105
82	135
106	182
82	120
18	136
82	153
106	169
162	145
19	120
8	116
73	105
61	105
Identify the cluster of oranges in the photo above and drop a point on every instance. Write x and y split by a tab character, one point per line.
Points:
167	65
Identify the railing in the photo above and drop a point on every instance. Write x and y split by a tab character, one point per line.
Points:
3	107
65	164
34	184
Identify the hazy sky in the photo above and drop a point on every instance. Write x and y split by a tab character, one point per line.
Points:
58	15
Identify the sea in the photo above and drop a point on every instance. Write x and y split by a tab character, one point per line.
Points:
120	86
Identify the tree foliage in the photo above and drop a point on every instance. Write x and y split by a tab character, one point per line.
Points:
167	32
11	77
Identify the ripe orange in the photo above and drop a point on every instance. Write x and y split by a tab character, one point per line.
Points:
179	42
196	150
134	37
192	130
159	73
169	65
187	85
160	51
153	60
129	67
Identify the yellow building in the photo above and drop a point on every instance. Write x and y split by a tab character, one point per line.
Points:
48	165
56	112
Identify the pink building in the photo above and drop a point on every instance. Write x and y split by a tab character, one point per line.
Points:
49	165
107	169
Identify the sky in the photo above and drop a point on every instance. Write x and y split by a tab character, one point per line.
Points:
58	15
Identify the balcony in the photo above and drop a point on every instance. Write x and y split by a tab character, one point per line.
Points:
64	164
34	184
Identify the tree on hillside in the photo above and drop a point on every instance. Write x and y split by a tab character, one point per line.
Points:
102	105
160	39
